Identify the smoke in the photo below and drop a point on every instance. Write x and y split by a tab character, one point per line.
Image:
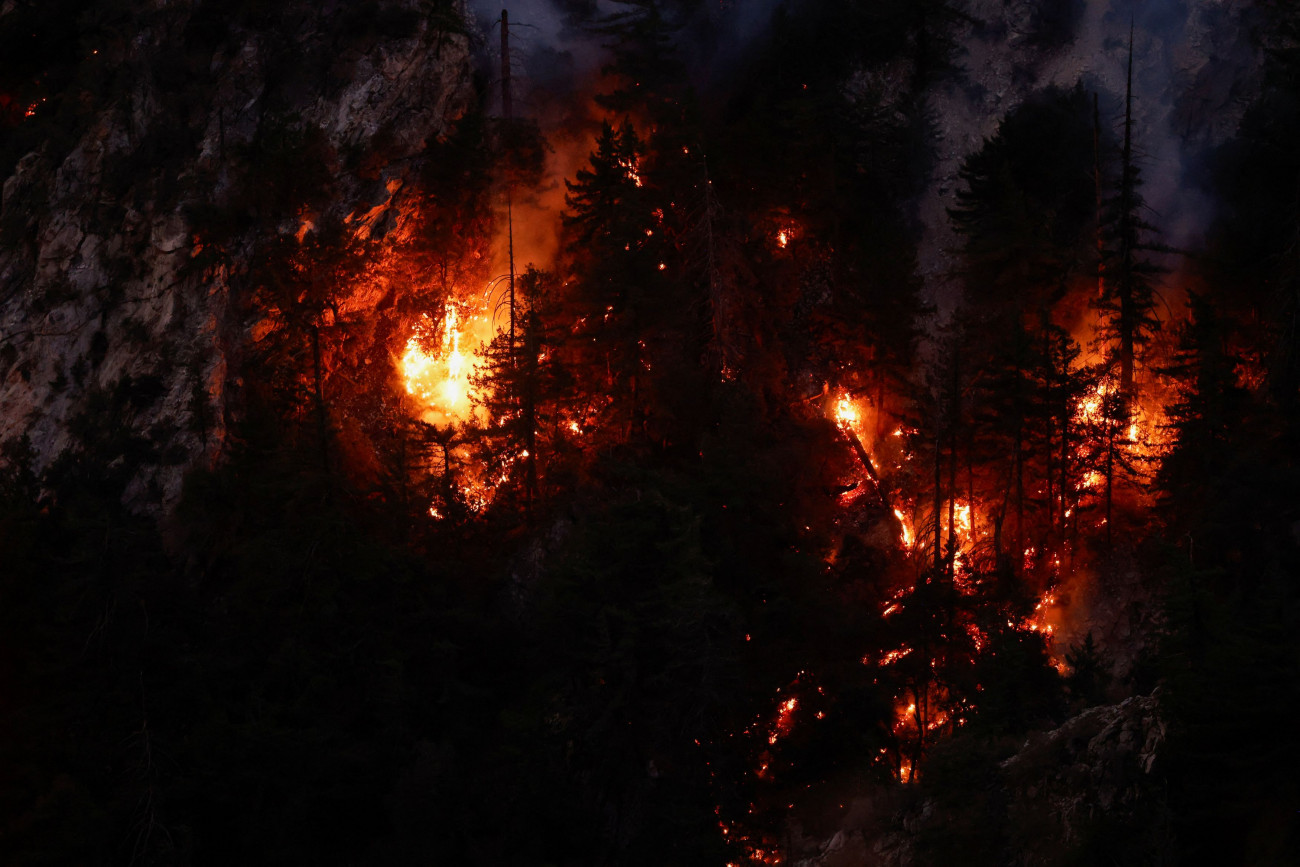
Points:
711	37
1194	67
556	67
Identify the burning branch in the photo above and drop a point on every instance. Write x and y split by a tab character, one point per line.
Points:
846	416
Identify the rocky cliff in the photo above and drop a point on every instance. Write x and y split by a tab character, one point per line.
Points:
186	135
1061	797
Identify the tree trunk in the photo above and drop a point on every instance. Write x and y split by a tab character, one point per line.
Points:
318	394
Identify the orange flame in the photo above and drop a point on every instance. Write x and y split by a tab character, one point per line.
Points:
439	377
633	169
846	414
909	536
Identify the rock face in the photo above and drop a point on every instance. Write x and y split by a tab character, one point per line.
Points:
1116	604
1095	769
1061	798
114	310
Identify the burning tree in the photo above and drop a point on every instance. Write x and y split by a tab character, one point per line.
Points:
526	395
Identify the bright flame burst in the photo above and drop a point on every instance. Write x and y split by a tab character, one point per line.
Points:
785	234
961	516
1140	431
436	369
1089	408
846	414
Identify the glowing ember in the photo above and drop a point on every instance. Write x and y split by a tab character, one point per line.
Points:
785	234
894	655
1037	621
784	720
633	169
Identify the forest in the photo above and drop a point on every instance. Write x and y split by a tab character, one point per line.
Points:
618	479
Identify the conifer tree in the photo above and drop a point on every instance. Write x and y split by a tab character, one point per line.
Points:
1128	291
650	77
524	392
298	286
1064	385
1025	213
613	252
1011	415
1207	417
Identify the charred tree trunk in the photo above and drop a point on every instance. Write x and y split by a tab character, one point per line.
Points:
449	496
953	541
318	398
1096	180
1110	478
938	502
864	458
970	483
528	406
954	420
1049	447
507	114
1124	284
1020	499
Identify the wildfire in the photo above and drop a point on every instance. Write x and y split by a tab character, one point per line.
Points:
963	518
1138	430
436	366
909	535
1037	621
904	716
846	414
436	371
633	170
1089	407
784	720
893	656
785	234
